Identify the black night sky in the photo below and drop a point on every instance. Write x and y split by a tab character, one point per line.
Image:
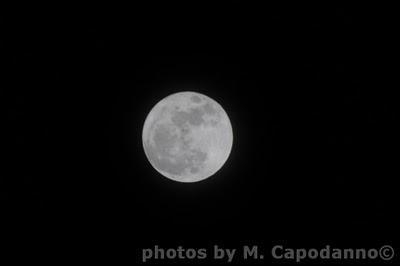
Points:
311	163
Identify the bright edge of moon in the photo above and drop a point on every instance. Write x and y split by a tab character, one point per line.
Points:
187	137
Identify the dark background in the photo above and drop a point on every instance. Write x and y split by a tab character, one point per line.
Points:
313	129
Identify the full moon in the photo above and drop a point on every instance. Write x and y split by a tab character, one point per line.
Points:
187	137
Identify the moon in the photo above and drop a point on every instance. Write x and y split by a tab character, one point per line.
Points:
187	137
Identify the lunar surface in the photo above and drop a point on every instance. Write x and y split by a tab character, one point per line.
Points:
187	137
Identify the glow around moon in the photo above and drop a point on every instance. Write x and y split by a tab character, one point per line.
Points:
187	137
